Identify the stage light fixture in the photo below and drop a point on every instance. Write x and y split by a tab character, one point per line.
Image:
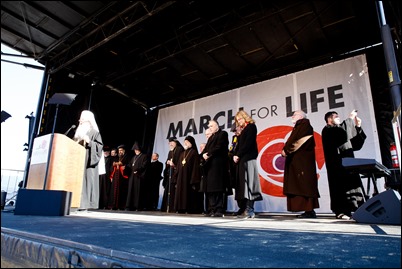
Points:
4	116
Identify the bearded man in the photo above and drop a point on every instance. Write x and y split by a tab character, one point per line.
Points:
300	182
87	134
169	180
119	178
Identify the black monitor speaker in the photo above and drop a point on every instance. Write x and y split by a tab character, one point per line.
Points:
384	208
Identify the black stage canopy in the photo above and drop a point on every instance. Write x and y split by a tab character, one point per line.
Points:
126	59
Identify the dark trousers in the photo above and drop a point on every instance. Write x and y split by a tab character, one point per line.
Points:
215	202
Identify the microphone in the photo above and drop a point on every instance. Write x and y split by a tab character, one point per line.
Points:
71	128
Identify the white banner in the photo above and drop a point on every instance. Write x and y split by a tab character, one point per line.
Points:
340	86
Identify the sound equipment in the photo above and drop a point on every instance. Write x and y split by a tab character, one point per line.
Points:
43	202
365	166
384	208
368	168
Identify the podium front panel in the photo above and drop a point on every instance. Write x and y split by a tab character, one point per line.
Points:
66	169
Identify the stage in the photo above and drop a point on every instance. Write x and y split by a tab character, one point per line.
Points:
103	238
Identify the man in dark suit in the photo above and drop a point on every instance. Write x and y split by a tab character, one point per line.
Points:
215	156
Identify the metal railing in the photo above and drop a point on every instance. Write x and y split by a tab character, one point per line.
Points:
10	179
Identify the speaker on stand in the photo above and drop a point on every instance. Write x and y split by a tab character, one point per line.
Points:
384	208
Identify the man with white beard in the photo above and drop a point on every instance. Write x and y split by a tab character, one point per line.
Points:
87	134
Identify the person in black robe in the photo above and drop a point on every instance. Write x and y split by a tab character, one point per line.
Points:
87	134
340	140
169	173
203	180
104	179
216	169
119	178
300	182
188	198
154	177
138	167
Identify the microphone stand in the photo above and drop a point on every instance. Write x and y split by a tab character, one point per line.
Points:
57	99
50	148
69	130
170	180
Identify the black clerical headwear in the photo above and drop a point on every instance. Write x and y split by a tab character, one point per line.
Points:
136	146
192	142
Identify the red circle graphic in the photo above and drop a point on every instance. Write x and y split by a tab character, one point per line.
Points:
270	143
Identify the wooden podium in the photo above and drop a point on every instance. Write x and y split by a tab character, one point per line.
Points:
66	167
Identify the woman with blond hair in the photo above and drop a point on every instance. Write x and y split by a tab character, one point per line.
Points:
247	183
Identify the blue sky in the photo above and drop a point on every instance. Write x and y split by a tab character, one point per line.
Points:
20	88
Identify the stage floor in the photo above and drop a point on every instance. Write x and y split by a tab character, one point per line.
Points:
104	238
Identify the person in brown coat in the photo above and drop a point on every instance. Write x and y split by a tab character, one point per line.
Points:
300	184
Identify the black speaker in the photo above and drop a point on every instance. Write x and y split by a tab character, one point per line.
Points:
43	202
384	208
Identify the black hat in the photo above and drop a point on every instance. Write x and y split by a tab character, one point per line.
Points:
122	146
106	148
192	142
174	139
136	146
